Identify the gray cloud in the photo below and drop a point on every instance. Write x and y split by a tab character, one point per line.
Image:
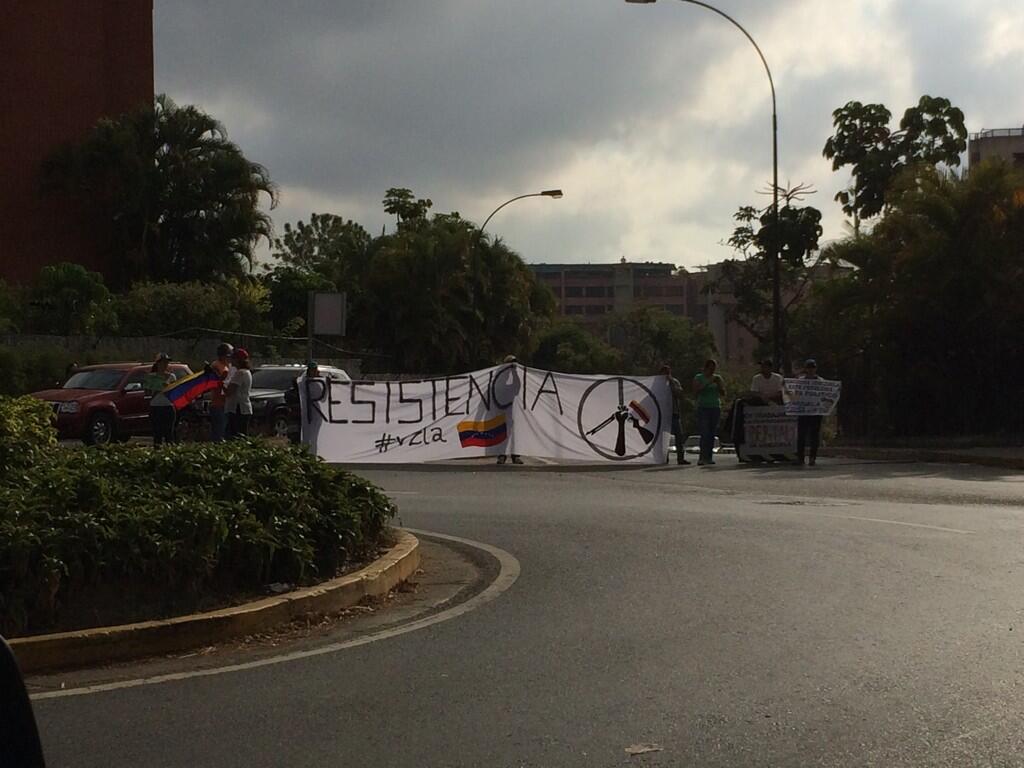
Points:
654	119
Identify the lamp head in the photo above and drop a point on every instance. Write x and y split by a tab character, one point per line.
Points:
555	193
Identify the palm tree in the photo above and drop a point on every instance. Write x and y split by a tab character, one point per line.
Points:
182	201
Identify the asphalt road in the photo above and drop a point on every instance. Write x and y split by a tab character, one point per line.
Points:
850	614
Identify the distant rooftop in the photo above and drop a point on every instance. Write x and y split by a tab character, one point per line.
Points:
997	133
607	264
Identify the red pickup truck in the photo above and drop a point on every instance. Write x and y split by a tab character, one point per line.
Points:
103	403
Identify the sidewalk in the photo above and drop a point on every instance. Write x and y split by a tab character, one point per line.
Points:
1007	457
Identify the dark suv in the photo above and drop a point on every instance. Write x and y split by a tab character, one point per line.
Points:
272	414
103	403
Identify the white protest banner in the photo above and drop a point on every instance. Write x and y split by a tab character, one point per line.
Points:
501	410
811	397
768	431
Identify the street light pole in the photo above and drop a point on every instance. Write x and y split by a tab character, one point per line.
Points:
552	193
777	329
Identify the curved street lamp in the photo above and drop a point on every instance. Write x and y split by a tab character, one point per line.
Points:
552	193
776	283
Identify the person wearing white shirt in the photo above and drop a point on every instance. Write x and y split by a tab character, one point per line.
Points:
768	384
237	387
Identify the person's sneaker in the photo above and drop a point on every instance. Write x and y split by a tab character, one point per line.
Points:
502	459
681	462
701	462
812	462
516	460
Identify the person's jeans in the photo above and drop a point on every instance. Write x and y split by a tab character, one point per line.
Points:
238	424
808	435
677	433
218	424
707	427
161	420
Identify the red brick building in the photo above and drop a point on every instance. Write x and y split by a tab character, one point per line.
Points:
65	64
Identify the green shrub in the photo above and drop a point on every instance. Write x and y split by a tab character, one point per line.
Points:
26	430
166	530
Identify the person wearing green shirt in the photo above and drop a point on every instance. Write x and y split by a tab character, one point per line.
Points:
709	389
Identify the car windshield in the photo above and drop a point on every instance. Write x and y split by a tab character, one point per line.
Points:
275	378
103	379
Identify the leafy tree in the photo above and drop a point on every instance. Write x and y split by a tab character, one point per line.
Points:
289	288
404	205
10	308
649	337
238	305
567	346
438	298
928	331
329	253
181	200
931	133
750	279
68	300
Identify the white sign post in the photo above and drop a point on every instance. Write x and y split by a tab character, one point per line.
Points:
501	410
325	316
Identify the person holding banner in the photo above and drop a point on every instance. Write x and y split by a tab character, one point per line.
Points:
513	381
709	387
808	428
677	425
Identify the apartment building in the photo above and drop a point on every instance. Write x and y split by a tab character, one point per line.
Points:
1005	143
589	292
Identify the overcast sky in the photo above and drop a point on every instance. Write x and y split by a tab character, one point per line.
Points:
654	119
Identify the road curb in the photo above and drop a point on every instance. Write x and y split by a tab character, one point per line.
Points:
916	455
104	645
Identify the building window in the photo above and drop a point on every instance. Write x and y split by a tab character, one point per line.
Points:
675	290
574	309
573	292
595	309
675	309
596	292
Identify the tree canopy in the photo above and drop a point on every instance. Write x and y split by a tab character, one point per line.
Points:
181	201
932	132
932	305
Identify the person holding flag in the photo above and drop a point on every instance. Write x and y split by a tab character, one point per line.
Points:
218	416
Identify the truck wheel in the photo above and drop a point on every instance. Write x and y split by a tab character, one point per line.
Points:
100	430
279	426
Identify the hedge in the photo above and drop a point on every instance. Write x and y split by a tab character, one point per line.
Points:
125	532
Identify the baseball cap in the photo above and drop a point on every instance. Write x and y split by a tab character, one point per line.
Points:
811	363
163	356
225	350
240	354
510	358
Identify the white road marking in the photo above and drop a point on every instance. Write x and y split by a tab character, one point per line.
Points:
886	522
507	575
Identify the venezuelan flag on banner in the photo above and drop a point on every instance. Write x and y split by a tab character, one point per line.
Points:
483	434
184	391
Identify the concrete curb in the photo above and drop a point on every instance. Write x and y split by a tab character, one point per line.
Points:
916	455
104	645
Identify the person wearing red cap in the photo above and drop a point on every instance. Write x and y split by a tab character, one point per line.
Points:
237	388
